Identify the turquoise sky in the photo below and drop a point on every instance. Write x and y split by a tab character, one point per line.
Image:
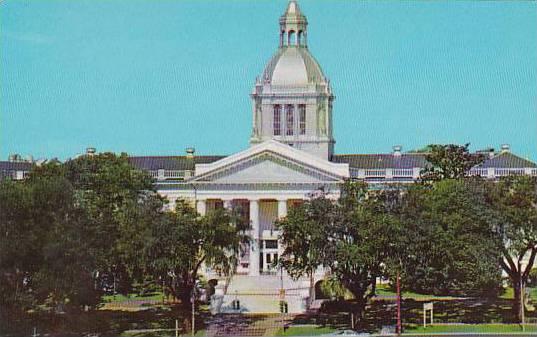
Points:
154	77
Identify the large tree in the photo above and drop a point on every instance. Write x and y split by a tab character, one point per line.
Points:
44	252
304	232
449	246
449	161
364	241
183	241
113	193
68	224
19	244
353	237
514	199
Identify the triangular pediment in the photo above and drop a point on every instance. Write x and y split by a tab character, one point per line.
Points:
271	162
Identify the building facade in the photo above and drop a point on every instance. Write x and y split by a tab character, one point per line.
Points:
290	158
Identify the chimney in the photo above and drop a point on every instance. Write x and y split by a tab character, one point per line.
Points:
397	150
491	153
90	151
190	152
505	148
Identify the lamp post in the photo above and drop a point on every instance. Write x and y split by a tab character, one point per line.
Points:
522	318
193	300
398	285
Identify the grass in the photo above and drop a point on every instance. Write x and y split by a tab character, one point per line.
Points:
122	298
510	294
385	290
305	331
472	328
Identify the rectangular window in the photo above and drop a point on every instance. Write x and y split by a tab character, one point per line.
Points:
277	124
290	119
271	244
302	118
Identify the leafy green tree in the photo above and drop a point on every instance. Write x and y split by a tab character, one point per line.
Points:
304	233
450	248
69	224
65	273
353	237
18	245
112	192
44	254
182	242
449	162
365	237
515	200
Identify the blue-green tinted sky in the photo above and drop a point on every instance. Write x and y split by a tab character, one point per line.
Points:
153	77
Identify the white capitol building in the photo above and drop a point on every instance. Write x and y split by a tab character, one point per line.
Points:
291	156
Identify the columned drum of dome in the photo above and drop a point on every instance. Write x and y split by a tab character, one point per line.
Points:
294	81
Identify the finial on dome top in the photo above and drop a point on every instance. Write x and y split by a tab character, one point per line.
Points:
292	8
293	26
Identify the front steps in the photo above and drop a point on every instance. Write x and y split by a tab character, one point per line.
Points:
260	294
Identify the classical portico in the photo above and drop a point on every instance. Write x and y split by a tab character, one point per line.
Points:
261	212
262	181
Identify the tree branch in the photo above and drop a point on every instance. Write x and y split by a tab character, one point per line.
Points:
530	263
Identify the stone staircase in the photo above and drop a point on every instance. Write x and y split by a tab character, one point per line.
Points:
260	294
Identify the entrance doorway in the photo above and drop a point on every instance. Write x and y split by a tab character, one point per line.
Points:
268	257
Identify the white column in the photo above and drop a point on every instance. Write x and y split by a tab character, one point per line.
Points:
254	245
201	207
282	213
282	209
228	204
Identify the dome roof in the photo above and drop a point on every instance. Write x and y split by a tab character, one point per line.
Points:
292	66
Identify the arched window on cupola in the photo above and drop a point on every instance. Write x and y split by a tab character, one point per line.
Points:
282	38
291	38
299	38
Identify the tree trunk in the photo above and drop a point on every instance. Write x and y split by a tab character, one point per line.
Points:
184	294
359	313
517	303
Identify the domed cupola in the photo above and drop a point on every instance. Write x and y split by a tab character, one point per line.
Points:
292	99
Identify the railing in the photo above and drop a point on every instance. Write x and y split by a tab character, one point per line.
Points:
371	174
403	172
167	174
483	172
174	174
375	173
503	172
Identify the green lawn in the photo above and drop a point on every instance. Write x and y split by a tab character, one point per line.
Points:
122	298
465	328
384	290
509	294
305	331
472	328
